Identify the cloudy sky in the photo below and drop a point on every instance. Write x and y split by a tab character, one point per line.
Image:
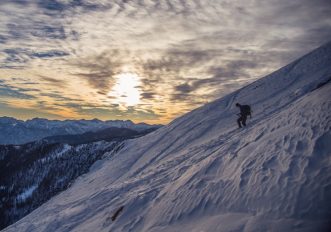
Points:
145	60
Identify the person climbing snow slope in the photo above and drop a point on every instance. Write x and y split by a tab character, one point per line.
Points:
245	110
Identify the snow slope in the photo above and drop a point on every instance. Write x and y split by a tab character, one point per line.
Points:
201	173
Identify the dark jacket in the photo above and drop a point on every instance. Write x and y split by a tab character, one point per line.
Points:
245	110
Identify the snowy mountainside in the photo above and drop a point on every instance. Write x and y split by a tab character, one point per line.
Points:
201	173
32	173
13	131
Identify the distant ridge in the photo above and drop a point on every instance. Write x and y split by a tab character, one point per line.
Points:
108	134
14	131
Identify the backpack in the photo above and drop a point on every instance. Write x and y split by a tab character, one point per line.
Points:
246	109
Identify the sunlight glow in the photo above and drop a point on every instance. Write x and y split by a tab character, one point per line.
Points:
125	92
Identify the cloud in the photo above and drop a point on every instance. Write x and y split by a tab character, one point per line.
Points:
18	57
148	95
99	70
184	52
49	54
233	69
11	92
3	39
174	60
25	112
52	32
193	71
53	81
17	52
113	112
174	64
57	6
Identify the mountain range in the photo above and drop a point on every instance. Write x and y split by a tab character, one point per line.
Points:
14	131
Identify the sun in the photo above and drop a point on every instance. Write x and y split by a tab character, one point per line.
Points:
125	92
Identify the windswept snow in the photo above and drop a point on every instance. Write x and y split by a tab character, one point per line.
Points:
201	173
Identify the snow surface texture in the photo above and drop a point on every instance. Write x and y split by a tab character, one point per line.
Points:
201	173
